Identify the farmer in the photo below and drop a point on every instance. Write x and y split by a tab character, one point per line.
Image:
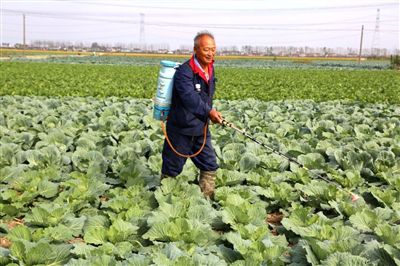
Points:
191	110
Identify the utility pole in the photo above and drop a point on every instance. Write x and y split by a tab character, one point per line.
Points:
23	33
141	38
361	40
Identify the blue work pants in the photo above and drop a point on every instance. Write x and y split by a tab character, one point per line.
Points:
173	164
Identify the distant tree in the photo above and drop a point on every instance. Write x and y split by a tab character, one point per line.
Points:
95	45
325	51
395	61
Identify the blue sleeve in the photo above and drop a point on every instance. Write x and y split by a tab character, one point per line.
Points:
191	100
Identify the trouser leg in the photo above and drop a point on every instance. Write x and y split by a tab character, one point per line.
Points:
172	164
206	161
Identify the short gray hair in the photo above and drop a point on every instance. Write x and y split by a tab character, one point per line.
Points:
201	34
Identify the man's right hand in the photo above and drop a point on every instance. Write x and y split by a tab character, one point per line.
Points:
215	116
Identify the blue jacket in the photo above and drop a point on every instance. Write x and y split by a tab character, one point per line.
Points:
191	99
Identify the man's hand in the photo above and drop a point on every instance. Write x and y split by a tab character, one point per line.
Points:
215	116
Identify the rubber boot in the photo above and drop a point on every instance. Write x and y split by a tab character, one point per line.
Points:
207	183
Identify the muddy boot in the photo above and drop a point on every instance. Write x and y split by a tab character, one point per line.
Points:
207	183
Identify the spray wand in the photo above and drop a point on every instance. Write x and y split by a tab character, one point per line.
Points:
354	197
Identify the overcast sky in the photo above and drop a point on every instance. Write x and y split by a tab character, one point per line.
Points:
314	23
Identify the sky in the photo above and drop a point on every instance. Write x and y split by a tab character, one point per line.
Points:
299	23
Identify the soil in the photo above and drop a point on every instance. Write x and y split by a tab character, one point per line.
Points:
274	218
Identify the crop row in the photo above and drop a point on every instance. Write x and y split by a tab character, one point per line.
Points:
249	62
49	79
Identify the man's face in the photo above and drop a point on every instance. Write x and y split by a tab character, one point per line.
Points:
205	51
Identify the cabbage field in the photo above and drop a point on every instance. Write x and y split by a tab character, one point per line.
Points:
80	167
280	83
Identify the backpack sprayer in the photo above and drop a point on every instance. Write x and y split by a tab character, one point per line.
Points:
162	102
354	197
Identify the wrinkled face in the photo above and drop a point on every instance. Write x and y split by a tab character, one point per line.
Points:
205	51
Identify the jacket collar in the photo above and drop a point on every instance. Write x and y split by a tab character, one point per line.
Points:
197	70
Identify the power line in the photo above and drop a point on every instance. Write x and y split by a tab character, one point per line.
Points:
130	21
67	24
170	6
76	31
103	36
284	27
240	9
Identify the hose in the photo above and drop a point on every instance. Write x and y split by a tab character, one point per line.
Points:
180	154
354	197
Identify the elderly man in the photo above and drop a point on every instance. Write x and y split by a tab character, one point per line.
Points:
191	110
